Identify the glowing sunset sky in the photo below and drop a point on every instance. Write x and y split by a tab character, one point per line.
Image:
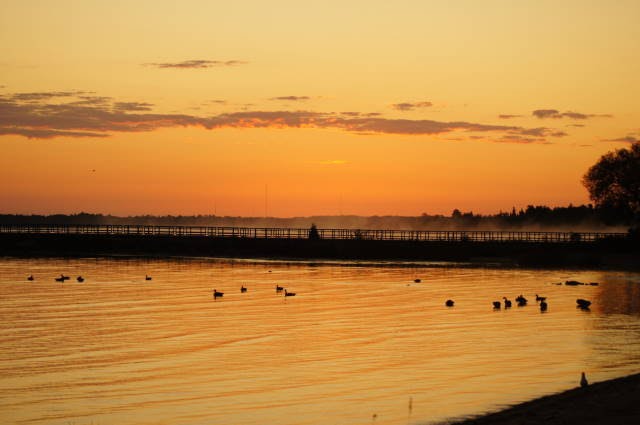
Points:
353	107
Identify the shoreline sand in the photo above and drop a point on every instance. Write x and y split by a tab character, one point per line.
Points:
612	402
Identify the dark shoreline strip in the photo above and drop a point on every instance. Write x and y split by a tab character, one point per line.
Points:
613	402
609	254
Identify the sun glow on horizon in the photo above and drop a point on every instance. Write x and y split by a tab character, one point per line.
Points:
388	109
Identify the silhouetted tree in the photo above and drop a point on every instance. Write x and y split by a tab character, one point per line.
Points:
614	182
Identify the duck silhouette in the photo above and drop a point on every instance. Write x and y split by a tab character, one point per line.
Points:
507	302
496	305
279	288
30	278
449	303
583	304
543	306
217	294
289	294
147	277
243	289
80	279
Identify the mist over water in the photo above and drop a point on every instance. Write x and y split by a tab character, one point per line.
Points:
357	340
570	219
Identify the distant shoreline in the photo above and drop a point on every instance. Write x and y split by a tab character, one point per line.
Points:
619	254
613	402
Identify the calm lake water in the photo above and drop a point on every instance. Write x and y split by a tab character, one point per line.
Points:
355	342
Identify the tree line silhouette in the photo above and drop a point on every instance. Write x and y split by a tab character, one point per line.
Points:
571	217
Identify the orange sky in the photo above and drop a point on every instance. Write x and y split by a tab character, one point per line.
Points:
360	107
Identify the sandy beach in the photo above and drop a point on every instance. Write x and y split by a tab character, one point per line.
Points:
610	402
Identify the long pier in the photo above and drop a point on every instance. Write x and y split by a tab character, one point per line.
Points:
301	233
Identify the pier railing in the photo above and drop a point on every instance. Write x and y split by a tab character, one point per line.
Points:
298	233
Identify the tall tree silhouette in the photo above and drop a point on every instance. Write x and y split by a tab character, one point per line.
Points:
614	182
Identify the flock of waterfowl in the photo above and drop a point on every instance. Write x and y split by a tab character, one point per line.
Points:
64	278
243	289
216	293
521	301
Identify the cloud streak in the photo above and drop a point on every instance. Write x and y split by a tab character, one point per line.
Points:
627	139
291	98
406	106
37	116
195	64
555	114
132	106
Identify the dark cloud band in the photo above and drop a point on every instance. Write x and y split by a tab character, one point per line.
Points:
94	116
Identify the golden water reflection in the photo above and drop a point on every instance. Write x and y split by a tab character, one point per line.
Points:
355	341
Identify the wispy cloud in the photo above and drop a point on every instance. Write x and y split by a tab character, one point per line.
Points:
360	114
36	116
98	101
555	114
508	116
195	64
132	106
291	98
35	133
627	139
514	138
38	96
406	106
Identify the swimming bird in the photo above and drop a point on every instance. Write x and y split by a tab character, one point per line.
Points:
583	304
30	277
417	280
279	288
217	294
289	294
507	302
543	306
522	301
496	305
147	277
539	298
80	279
62	278
583	380
449	303
243	289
